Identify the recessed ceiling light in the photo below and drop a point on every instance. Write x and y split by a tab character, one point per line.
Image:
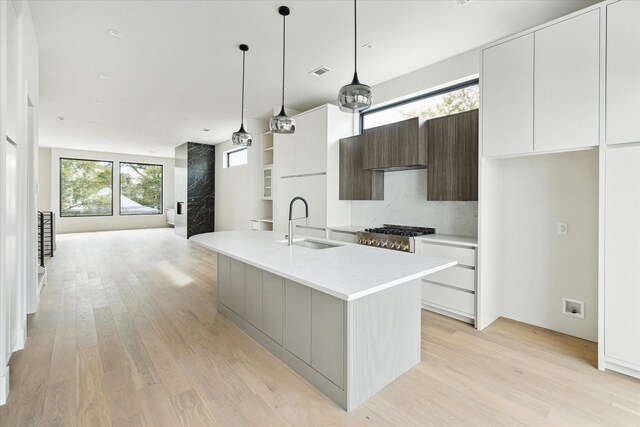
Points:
368	46
104	77
97	102
206	130
115	33
60	118
320	71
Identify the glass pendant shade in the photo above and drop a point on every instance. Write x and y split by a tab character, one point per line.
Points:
354	97
242	137
282	123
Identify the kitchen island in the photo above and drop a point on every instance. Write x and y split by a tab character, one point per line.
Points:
346	317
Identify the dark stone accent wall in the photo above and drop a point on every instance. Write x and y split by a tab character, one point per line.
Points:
201	188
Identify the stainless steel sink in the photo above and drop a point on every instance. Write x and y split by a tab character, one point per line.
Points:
312	244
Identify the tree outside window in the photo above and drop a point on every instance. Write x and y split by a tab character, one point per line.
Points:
86	188
140	189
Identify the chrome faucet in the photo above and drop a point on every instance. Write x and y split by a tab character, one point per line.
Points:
306	216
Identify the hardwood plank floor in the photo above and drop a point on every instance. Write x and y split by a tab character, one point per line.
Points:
127	334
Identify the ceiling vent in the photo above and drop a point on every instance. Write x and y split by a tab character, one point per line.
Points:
319	71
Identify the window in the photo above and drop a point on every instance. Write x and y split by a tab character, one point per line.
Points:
140	189
86	188
235	157
451	100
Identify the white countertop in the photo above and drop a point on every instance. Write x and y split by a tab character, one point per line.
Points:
353	229
449	240
347	272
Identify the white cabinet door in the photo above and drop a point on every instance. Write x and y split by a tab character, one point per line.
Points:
314	190
623	72
622	252
567	84
286	154
304	151
507	98
311	142
224	279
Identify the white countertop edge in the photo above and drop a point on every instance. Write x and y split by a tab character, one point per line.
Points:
322	289
446	239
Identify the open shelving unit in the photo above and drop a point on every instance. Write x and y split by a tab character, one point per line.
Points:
267	157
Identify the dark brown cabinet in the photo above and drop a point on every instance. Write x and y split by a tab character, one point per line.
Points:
357	183
395	146
452	153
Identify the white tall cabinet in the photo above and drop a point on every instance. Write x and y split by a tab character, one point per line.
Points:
308	163
621	287
622	253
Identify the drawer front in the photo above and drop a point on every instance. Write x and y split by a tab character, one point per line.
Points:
459	277
445	297
464	256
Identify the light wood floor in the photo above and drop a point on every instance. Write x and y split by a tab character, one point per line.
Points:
127	334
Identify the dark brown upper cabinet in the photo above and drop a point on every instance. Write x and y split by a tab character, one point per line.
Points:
452	153
396	146
357	183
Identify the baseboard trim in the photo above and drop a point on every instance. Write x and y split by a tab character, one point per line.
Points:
622	367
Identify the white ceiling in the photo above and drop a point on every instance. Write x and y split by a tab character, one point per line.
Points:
176	69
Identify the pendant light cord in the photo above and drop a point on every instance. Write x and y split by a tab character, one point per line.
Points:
242	113
355	38
284	31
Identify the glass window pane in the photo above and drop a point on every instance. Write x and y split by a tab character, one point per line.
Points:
140	189
237	157
86	188
430	107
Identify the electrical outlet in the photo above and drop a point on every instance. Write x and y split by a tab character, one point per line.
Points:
563	228
572	307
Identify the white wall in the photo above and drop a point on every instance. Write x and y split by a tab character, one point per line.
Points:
19	102
44	179
405	193
115	222
539	266
239	188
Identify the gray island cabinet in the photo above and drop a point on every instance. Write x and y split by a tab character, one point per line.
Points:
348	344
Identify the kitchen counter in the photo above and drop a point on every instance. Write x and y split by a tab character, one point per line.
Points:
347	272
346	318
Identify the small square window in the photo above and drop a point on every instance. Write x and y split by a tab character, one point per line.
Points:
235	157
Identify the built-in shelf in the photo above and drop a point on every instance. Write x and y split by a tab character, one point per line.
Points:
268	149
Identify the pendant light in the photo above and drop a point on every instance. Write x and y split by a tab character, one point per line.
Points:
283	123
355	97
242	137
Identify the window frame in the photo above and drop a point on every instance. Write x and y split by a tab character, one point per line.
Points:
457	86
60	187
227	153
120	188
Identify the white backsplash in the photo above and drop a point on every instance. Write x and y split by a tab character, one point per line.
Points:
405	203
